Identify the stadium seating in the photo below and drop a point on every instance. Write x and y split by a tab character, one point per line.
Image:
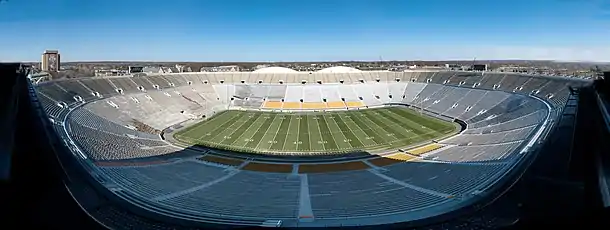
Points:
119	119
272	105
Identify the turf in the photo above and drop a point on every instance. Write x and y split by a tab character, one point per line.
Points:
345	131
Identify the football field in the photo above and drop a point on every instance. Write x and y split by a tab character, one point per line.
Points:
344	131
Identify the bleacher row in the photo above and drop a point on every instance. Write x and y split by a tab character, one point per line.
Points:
334	195
499	122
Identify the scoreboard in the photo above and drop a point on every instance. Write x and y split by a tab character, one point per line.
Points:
135	69
479	67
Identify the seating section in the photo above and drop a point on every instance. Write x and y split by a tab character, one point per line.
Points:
332	167
352	191
229	196
221	160
354	104
272	105
424	149
291	105
265	167
476	153
100	145
452	179
391	159
152	181
116	128
313	105
336	105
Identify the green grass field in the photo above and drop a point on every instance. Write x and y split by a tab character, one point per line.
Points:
345	131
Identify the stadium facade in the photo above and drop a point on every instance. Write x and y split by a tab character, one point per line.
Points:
116	130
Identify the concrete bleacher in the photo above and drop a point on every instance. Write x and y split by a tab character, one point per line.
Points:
126	84
396	91
424	149
336	105
365	93
221	160
50	106
347	93
267	167
158	180
272	104
332	167
451	96
476	153
348	194
468	100
487	101
229	196
517	134
100	145
391	159
101	86
413	89
452	179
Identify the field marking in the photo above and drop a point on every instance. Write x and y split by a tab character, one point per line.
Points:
267	130
278	130
389	126
202	123
331	135
372	129
289	134
299	118
229	130
242	125
334	138
416	127
413	122
239	115
248	129
342	118
319	132
308	131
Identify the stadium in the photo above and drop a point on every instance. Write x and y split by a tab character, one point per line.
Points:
275	147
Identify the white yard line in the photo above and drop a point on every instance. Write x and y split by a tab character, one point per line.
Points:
267	130
375	130
319	132
398	116
331	134
231	128
299	118
201	123
388	124
278	130
248	129
351	130
308	132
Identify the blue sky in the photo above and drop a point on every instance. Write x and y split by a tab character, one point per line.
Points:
293	30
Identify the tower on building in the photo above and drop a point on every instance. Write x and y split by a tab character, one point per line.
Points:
50	61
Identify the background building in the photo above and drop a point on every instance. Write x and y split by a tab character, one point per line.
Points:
226	68
50	61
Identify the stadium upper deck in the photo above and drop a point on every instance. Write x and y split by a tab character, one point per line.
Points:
120	118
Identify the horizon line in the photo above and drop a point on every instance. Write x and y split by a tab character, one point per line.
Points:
310	61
